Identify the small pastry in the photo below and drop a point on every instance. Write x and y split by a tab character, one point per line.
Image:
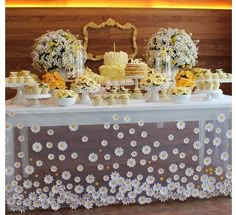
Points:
215	76
45	88
216	85
222	75
20	79
208	75
36	89
208	85
124	99
201	85
12	79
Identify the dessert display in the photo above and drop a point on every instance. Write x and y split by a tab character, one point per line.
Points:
54	80
114	65
136	68
22	77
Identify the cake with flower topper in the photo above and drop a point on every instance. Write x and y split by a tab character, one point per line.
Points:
136	67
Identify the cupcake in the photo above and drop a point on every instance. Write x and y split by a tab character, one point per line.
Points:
28	90
36	89
45	88
20	79
208	85
29	79
215	76
12	79
216	85
201	85
208	74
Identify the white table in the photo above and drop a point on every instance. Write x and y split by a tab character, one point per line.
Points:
135	152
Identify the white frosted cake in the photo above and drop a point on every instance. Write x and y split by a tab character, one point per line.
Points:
114	65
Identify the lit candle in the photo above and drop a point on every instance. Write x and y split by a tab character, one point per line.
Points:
114	46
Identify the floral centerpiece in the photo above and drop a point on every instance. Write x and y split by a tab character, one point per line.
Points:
58	50
175	43
184	78
65	97
179	91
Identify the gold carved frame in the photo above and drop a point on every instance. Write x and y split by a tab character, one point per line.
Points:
110	23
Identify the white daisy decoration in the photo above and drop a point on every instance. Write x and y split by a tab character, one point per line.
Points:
198	168
182	165
119	151
218	171
186	140
216	141
19	125
107	157
107	125
161	171
104	143
35	129
171	137
53	168
77	179
132	131
180	125
144	134
49	145
129	174
20	154
74	155
73	127
134	154
116	166
39	163
197	145
224	156
115	117
133	143
48	179
182	155
196	130
175	151
8	126
61	157
66	175
9	170
11	114
51	156
62	146
27	184
154	157
229	134
100	167
173	168
116	127
163	155
206	140
106	178
150	169
120	135
127	118
79	189
218	130
221	117
37	147
90	179
29	169
189	172
143	162
93	157
194	158
17	164
207	161
131	162
50	132
209	127
156	144
84	139
141	123
21	138
146	149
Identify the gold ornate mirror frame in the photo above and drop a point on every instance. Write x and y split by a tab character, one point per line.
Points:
110	23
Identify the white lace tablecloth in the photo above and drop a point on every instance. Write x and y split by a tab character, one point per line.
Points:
89	156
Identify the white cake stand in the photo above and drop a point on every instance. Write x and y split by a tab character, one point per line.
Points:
19	98
36	98
85	97
210	94
137	92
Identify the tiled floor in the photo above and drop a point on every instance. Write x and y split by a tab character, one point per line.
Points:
213	206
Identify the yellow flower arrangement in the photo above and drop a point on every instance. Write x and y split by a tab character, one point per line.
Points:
179	91
54	80
64	94
184	78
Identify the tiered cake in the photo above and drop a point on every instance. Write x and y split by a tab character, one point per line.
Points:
136	67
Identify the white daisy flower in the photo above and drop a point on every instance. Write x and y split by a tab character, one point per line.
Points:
180	124
37	147
29	169
20	154
62	145
209	127
8	126
107	125
144	134
119	151
131	162
48	179
150	169
164	191
216	141
198	168
218	130
35	129
196	130
51	156
182	155
84	139
39	163
93	157
112	183
19	125
140	177
115	175
53	168
90	179
182	165
161	171
194	158
171	137
11	114
104	143
218	171
207	161
10	201
206	140
197	145
127	118
115	117
156	144
77	179
73	127
120	135
134	154
146	149
189	172
186	140
184	179
79	189
209	151
106	178
229	134
141	123
103	190
131	130
9	170
66	175
173	168
61	157
221	117
224	156
17	164
74	155
143	162
195	177
21	138
133	143
229	167
175	151
107	157
129	174
116	127
163	155
154	158
49	145
100	167
80	168
7	151
116	166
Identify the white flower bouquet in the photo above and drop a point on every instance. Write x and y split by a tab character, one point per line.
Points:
177	44
57	51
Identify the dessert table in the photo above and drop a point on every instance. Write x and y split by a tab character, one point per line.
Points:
86	155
